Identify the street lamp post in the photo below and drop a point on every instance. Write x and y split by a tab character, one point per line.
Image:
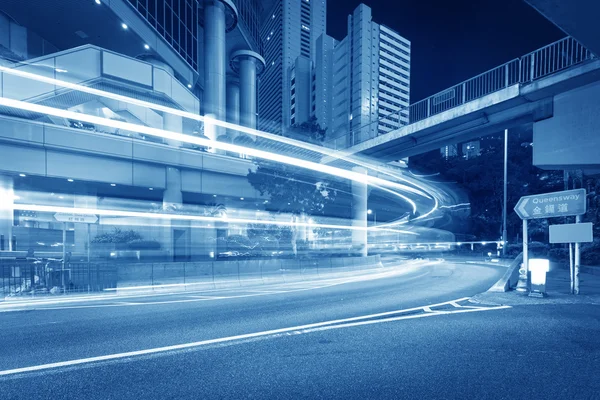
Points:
504	229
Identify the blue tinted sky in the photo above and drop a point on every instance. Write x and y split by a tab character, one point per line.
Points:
453	40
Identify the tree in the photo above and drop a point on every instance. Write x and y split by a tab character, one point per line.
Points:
482	178
309	131
292	190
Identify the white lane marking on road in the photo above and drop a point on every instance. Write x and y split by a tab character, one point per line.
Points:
304	286
295	330
370	322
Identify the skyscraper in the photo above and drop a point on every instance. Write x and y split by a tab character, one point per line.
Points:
289	33
368	77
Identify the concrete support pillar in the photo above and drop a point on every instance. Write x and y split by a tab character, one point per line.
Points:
172	197
218	17
7	198
173	123
248	65
233	104
359	212
81	230
172	194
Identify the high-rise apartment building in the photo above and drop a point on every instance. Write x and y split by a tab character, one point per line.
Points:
289	33
367	76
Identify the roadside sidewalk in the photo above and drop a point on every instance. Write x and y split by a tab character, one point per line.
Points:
557	287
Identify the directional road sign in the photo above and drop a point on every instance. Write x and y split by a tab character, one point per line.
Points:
86	218
548	205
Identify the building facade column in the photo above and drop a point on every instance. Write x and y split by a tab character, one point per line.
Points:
173	123
218	18
248	65
7	209
84	233
359	213
172	197
233	104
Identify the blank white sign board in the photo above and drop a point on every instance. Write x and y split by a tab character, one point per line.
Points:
571	233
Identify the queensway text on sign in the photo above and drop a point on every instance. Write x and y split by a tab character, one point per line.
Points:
548	205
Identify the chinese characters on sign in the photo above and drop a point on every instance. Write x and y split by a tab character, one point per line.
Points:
548	205
550	209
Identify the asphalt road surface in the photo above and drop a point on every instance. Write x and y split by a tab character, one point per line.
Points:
409	334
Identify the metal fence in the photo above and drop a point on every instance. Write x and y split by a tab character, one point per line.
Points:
550	59
27	277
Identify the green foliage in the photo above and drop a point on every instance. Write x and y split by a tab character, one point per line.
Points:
292	190
590	253
117	236
482	178
309	131
282	234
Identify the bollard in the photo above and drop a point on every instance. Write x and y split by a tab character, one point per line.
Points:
538	267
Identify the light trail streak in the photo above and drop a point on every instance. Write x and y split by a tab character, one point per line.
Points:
373	181
338	172
180	217
296	143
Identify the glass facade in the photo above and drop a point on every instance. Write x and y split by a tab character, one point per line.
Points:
176	21
250	12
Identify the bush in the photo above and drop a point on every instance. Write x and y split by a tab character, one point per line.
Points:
513	250
141	244
117	236
537	249
559	255
239	243
590	253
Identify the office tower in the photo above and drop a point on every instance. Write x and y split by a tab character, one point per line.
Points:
290	32
368	76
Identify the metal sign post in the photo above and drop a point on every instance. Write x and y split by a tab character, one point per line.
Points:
549	205
573	233
577	261
522	283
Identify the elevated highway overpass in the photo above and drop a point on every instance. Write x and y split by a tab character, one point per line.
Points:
555	88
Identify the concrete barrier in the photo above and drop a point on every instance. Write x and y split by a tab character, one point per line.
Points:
225	274
309	268
271	271
324	267
129	275
199	274
168	273
510	277
342	264
250	272
292	270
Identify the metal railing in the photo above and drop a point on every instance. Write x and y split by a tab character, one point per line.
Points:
24	277
552	58
540	63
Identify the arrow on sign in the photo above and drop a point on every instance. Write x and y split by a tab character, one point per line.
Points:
521	208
